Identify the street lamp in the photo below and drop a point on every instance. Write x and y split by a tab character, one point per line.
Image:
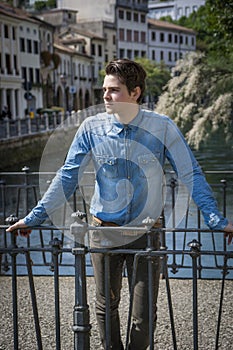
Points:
63	80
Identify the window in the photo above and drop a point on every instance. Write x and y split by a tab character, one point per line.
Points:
143	53
135	17
162	37
143	19
114	39
169	56
122	53
181	39
176	38
24	73
122	34
180	12
15	63
128	16
129	54
121	14
13	33
193	41
143	37
29	46
153	55
93	49
136	36
31	75
6	31
136	53
161	55
37	71
129	35
8	64
175	56
35	47
153	36
169	38
187	11
22	45
100	50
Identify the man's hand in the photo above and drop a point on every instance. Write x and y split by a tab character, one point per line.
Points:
229	232
21	227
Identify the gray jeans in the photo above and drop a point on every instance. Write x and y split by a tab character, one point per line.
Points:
139	332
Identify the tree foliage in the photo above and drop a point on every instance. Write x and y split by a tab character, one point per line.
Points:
157	77
42	5
200	100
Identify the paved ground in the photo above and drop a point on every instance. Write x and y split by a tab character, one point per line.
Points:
208	293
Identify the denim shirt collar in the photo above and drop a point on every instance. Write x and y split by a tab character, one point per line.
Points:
117	127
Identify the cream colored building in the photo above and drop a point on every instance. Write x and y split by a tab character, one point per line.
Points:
168	42
127	16
173	8
20	61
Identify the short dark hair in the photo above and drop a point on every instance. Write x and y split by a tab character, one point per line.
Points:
129	73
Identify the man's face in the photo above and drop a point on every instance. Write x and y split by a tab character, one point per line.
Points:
116	96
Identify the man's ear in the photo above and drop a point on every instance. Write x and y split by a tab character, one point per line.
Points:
136	93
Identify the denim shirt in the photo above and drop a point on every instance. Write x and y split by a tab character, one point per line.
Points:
129	165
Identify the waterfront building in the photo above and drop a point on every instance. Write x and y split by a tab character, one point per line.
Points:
127	17
169	42
53	58
173	8
20	62
86	50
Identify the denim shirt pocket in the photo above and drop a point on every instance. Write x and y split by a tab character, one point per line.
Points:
107	165
148	164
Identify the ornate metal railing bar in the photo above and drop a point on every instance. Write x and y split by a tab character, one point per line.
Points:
81	323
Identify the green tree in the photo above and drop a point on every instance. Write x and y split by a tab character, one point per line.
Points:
213	24
157	77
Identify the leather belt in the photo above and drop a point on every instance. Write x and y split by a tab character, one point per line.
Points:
102	223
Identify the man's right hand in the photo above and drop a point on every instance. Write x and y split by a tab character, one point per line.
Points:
20	227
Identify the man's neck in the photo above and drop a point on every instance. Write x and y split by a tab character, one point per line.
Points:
131	113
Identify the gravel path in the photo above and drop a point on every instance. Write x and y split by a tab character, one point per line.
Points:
208	294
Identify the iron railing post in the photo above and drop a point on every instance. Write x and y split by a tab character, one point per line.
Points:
81	316
12	220
195	253
56	250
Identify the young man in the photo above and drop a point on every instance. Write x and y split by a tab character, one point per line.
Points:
128	147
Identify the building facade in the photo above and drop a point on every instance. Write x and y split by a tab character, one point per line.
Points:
128	17
168	42
54	58
20	62
173	8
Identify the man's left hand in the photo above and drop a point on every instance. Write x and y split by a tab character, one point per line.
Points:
229	232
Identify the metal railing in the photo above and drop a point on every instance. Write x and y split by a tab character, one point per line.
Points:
46	122
19	191
19	196
81	316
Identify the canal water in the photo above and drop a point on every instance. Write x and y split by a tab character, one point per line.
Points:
217	158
